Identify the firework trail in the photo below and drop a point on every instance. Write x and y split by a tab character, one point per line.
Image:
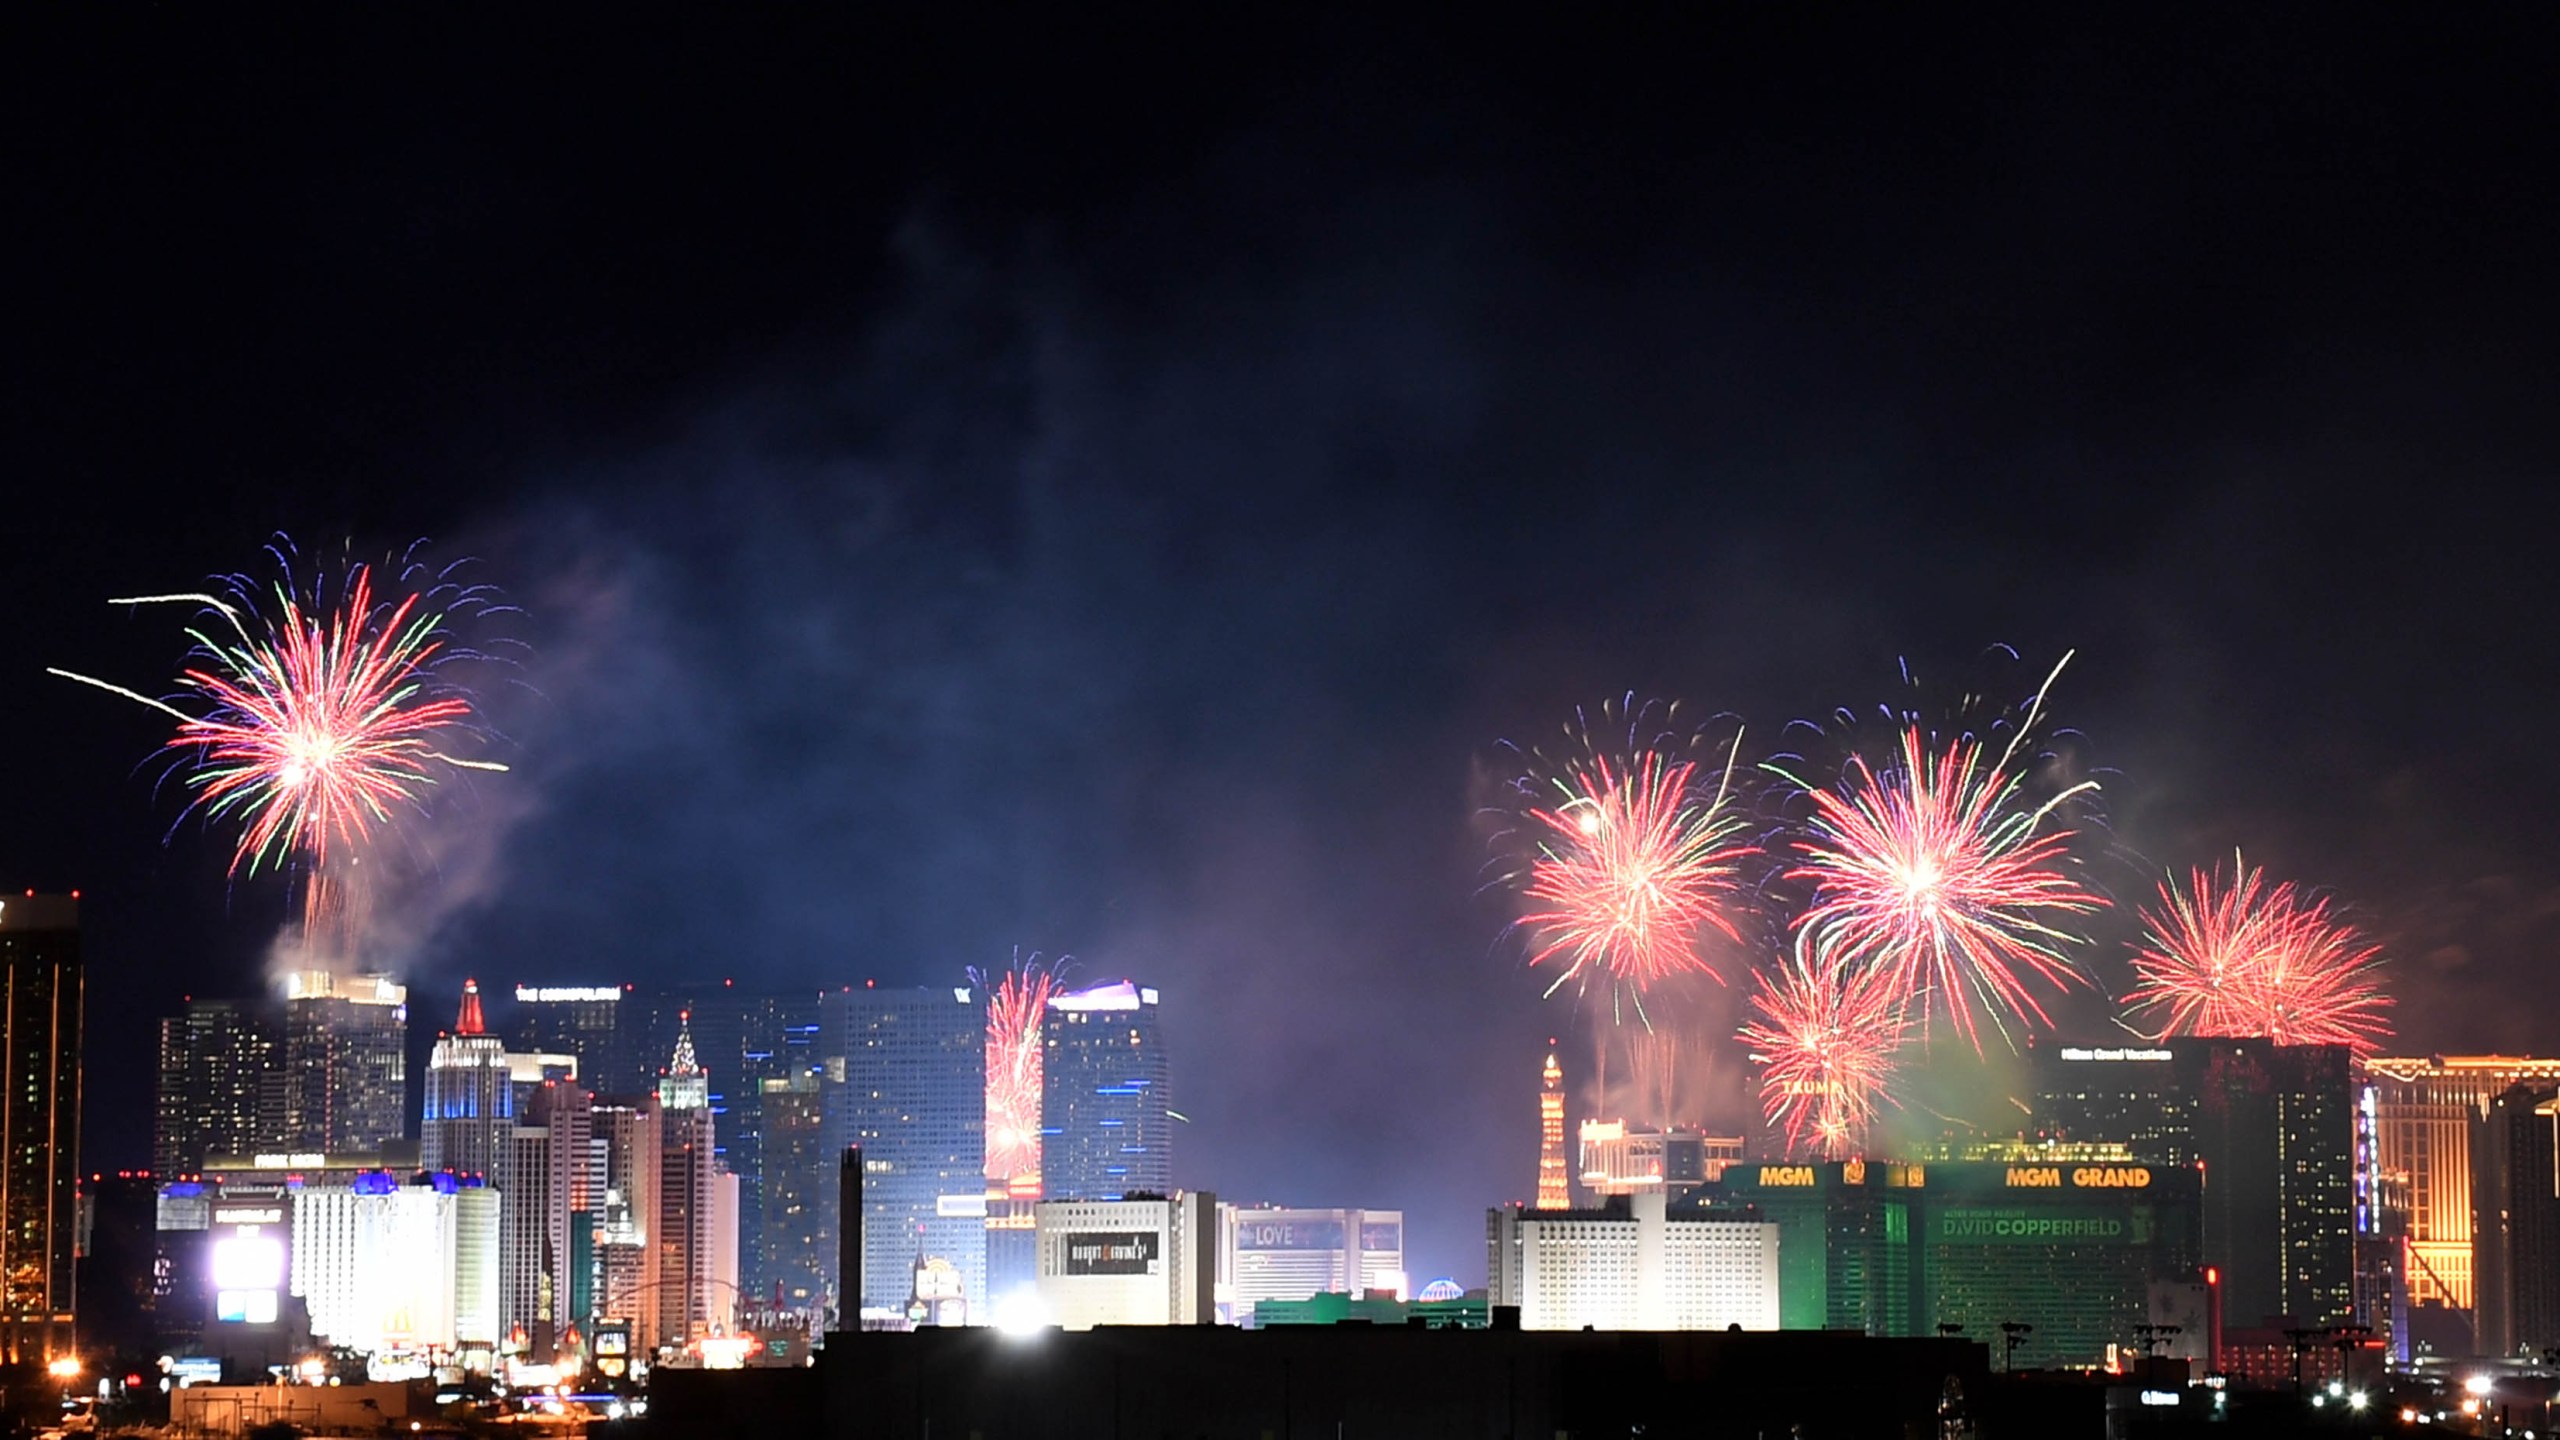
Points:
2235	956
1634	853
315	720
1017	999
1825	1037
1939	872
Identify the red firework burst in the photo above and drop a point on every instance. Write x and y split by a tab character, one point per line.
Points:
1632	865
1015	1004
2235	956
1825	1038
1943	877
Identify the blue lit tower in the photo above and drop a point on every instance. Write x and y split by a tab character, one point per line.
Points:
914	1097
1105	1129
470	1115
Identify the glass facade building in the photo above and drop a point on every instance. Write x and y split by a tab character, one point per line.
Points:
910	1087
1105	1126
2271	1129
2069	1248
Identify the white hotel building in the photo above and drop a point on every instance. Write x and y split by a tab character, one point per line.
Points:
1128	1262
1270	1252
1633	1266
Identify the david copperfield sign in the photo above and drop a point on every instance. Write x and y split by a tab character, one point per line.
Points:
1132	1253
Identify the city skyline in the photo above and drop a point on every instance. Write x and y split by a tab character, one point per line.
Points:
1119	493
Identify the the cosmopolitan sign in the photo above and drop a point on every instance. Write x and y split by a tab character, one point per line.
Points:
1125	1253
558	994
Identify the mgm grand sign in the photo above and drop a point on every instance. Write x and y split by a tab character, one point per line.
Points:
2078	1177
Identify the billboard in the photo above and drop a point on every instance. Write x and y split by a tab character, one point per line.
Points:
2041	1226
1130	1252
1258	1234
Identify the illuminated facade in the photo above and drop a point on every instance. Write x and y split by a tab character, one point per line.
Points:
388	1267
470	1108
1106	1128
39	1123
696	1234
799	1244
2272	1128
1275	1253
630	1135
1128	1262
343	1057
585	1021
1620	1161
1555	1188
1634	1264
2427	1109
914	1097
2072	1247
215	1057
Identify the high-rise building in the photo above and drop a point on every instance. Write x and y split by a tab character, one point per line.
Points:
2516	1233
586	1022
1555	1185
1105	1122
2272	1127
799	1243
389	1267
343	1062
2428	1108
697	1225
215	1059
470	1111
1636	1263
549	1181
631	1137
1269	1252
913	1096
2056	1238
1148	1260
741	1038
39	1123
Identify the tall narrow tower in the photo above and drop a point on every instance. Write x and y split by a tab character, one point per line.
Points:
39	1123
1554	1190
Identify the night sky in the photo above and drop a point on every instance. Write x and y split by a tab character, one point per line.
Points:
1106	487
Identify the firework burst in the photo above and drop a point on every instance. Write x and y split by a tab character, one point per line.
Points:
1017	998
1825	1037
1939	871
316	719
2233	955
1635	854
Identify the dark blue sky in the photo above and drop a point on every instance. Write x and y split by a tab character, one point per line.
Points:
1106	488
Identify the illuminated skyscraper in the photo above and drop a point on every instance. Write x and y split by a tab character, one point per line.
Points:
631	1137
914	1097
2273	1129
1555	1191
470	1110
697	1224
343	1060
1105	1092
2428	1108
587	1022
215	1059
39	1123
799	1245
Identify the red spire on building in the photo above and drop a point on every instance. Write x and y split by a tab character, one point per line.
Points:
470	1022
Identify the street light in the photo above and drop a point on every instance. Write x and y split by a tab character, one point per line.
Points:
65	1368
